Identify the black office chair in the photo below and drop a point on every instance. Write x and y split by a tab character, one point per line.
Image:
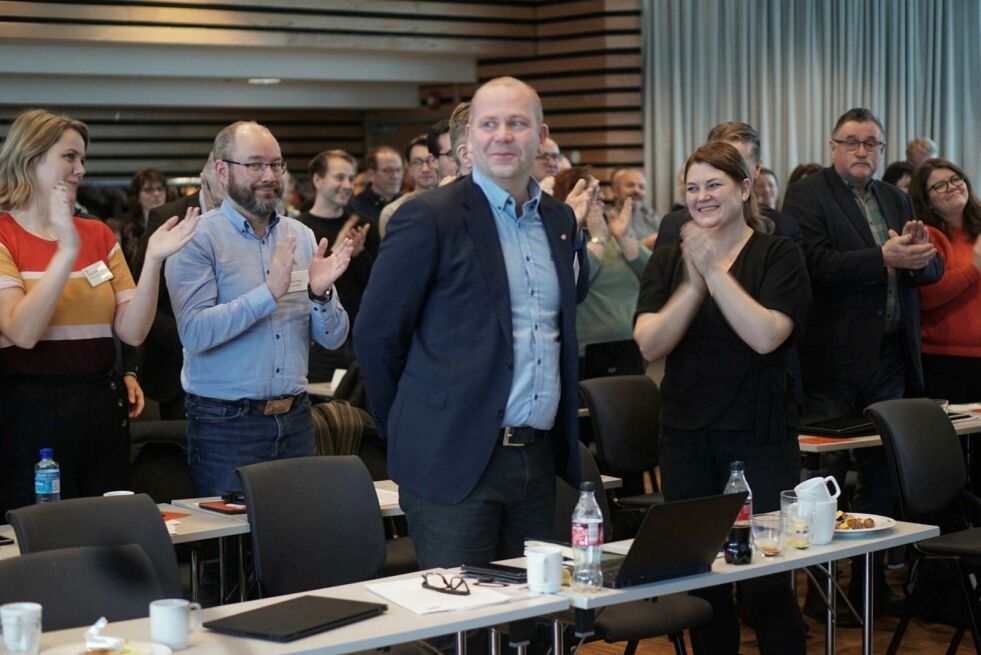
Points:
624	412
100	521
608	358
78	585
925	454
630	622
158	460
315	523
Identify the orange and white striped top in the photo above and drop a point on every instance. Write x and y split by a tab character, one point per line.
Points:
78	340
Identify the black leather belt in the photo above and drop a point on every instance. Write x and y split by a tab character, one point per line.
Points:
271	407
521	435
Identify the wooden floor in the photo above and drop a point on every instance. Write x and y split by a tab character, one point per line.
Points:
920	638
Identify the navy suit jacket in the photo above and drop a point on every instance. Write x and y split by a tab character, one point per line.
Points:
846	326
434	339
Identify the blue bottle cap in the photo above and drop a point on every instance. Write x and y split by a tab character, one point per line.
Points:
47	453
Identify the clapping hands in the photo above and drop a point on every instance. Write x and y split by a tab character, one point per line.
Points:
172	236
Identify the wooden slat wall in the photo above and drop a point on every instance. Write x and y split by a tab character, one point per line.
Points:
587	71
583	56
178	142
477	28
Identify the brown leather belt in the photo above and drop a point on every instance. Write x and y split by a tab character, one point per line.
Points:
271	407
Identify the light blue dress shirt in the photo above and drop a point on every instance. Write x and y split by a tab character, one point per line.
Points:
239	342
535	303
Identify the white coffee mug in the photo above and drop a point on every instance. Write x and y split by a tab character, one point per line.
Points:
823	521
816	489
172	620
544	569
21	624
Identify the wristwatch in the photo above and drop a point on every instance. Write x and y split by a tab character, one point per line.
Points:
597	240
320	299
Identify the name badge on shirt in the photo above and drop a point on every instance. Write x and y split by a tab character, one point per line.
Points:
97	273
299	281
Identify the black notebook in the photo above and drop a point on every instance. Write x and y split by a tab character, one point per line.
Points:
296	618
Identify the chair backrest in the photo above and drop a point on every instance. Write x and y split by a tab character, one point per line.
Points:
158	460
608	358
100	521
624	414
315	523
566	497
78	585
924	451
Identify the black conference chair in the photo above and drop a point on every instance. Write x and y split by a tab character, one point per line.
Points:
608	358
925	454
100	521
158	460
630	622
78	585
624	412
315	523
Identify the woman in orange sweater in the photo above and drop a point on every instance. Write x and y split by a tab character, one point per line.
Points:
951	309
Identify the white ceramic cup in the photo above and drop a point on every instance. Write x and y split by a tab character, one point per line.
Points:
120	492
21	624
823	521
544	565
816	489
172	620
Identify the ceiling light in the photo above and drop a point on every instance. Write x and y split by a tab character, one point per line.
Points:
264	81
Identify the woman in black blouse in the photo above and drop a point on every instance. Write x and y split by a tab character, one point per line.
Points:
724	307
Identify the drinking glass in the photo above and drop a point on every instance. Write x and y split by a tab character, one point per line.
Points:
797	517
767	534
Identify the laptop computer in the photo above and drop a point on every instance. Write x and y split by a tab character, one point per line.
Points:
839	426
675	539
296	618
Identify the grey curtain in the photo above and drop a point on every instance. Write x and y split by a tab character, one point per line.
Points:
791	67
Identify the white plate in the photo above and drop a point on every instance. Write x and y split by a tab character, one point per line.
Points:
138	648
881	523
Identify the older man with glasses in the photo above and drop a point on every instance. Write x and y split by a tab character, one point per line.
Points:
249	292
866	255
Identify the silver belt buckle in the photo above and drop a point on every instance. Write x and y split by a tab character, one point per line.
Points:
506	441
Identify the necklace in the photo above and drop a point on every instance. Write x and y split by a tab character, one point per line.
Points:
38	233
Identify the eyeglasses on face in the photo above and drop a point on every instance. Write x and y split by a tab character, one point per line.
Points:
944	185
447	154
548	156
851	145
259	167
455	585
419	161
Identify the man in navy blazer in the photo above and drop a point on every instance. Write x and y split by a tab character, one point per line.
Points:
466	338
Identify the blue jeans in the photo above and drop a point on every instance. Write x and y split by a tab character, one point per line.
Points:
514	500
222	437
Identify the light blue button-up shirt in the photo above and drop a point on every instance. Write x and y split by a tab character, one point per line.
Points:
239	342
535	304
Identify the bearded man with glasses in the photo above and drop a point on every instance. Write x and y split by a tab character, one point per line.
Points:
251	290
866	254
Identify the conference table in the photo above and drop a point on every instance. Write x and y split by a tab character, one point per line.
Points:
400	625
816	444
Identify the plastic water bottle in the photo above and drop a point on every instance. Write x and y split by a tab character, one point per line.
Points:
737	549
47	478
587	540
